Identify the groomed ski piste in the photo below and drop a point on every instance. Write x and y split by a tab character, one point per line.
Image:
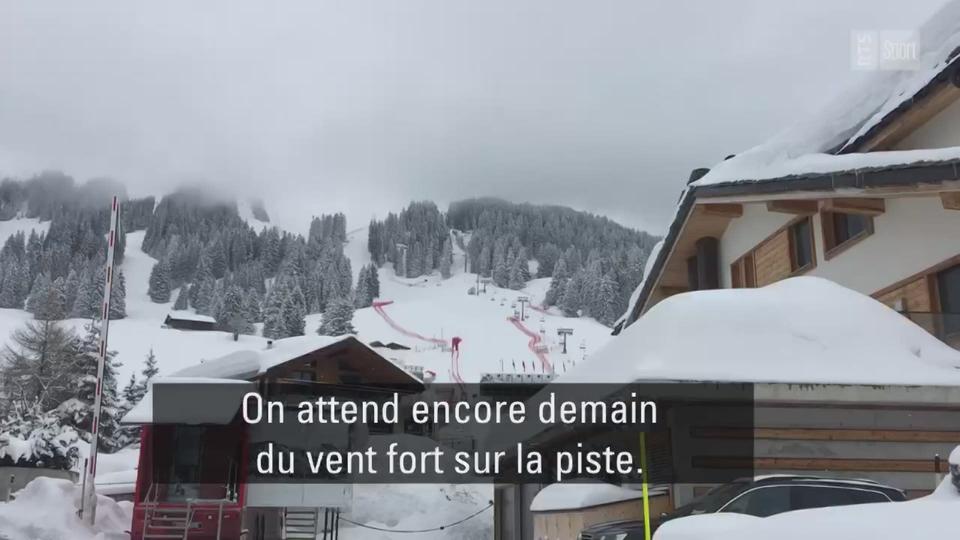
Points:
423	313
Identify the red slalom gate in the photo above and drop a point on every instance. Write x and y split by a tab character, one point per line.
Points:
378	307
454	353
533	344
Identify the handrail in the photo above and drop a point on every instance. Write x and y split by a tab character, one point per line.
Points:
148	507
189	520
219	518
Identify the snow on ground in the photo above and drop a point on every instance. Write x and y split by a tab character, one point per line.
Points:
799	330
932	517
13	226
134	336
46	510
428	305
440	308
419	507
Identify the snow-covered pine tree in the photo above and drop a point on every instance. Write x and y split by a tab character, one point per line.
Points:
118	296
295	319
252	306
446	259
131	392
337	319
15	281
607	301
183	299
274	323
71	286
39	367
150	368
159	284
50	444
206	291
485	266
501	272
558	283
571	301
231	315
56	305
77	411
373	282
39	295
516	281
524	264
362	297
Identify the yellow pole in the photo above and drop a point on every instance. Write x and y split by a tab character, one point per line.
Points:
646	493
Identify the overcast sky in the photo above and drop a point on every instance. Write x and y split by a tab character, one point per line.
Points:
362	106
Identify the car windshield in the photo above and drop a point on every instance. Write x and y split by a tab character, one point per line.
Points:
712	500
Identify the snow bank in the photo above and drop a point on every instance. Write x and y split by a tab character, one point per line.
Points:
799	330
46	510
418	507
931	517
703	526
577	495
862	106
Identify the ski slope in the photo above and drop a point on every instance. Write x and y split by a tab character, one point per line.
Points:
433	308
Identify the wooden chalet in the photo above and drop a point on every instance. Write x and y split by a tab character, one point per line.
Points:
194	479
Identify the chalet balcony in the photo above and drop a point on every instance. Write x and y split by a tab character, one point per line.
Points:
945	326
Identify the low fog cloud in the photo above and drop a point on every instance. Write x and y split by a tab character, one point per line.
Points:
362	106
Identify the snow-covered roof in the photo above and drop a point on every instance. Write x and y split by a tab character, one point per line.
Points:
809	165
249	363
852	114
799	330
184	315
577	495
226	405
647	270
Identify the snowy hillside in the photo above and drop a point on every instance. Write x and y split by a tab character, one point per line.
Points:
428	306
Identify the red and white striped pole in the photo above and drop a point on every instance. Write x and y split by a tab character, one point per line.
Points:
88	502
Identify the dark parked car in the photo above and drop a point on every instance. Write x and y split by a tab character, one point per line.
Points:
761	497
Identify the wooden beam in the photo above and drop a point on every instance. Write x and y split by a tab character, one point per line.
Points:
863	206
913	118
828	434
732	210
802	208
950	200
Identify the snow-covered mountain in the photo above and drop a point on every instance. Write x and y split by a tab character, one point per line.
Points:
428	306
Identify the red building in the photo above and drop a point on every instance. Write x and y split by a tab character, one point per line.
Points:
194	480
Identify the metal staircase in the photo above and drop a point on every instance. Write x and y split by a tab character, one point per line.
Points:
300	523
167	522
